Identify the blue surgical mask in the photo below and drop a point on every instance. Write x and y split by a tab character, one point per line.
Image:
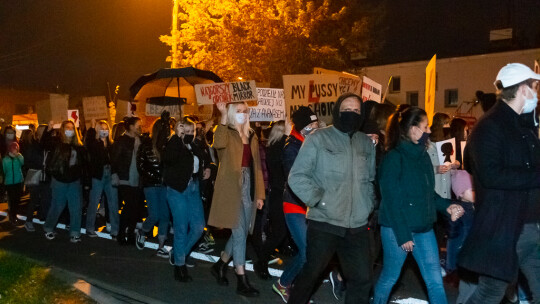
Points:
69	133
103	133
241	118
530	103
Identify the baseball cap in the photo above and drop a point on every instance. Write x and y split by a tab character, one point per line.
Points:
514	73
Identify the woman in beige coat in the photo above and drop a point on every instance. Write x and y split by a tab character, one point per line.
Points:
239	188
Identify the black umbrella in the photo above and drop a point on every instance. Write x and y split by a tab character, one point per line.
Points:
171	86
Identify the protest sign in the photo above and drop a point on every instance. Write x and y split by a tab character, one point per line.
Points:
73	115
431	78
371	90
212	93
446	151
95	108
55	108
270	107
156	110
317	91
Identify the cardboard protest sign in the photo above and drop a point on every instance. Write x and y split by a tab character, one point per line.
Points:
446	151
55	108
317	91
371	90
156	110
73	115
212	93
348	83
95	108
270	107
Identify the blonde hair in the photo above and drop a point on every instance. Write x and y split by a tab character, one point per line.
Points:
185	121
75	140
276	133
99	128
231	119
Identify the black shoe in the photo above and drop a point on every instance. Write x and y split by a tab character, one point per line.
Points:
219	271
181	274
261	269
140	239
244	288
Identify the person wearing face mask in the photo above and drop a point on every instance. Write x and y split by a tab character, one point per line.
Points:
99	152
150	170
181	170
239	188
304	123
333	175
68	166
126	177
504	163
409	204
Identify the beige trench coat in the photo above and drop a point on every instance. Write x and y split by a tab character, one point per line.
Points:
226	203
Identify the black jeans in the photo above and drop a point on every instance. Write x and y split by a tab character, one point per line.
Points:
278	225
14	193
354	256
131	211
489	291
40	196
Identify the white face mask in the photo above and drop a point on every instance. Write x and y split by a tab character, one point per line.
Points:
69	133
10	136
103	133
241	118
530	103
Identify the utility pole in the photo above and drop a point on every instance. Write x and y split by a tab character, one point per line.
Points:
175	54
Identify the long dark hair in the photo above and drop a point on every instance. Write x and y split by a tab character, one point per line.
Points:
130	121
399	124
437	125
457	129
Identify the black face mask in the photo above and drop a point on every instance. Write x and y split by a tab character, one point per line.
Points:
188	139
423	139
349	121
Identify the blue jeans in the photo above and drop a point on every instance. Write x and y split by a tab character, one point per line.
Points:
459	230
426	254
62	193
187	212
158	210
297	224
98	187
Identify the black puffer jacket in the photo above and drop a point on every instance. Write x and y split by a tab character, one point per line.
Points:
58	164
148	164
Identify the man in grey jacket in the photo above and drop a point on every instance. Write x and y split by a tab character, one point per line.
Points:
333	175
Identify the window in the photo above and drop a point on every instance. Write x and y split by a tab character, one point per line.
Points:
395	86
451	98
412	98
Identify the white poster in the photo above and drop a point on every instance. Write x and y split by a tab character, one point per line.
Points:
73	115
446	150
212	93
371	90
156	110
270	106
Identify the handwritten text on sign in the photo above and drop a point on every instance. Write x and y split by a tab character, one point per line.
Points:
371	90
226	92
270	107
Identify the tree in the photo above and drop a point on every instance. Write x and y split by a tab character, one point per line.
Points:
265	39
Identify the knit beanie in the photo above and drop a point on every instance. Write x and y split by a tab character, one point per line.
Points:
461	182
303	117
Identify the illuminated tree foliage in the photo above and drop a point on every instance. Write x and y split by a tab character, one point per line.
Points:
265	39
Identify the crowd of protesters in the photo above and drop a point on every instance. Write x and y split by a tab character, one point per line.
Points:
374	174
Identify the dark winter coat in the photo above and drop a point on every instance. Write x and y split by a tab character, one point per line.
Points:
177	164
58	164
149	164
409	202
501	156
290	152
99	156
122	153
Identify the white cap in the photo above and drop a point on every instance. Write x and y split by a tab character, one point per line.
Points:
514	73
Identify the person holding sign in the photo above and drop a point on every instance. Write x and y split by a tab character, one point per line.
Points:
233	204
409	204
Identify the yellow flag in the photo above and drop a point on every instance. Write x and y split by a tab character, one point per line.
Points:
430	88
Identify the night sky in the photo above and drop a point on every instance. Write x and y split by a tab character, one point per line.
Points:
75	47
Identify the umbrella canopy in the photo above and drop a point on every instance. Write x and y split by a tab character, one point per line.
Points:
168	84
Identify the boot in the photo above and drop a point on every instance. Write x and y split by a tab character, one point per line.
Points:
219	271
244	288
261	269
181	274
